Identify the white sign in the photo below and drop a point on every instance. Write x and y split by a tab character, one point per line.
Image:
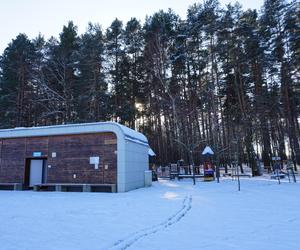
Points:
95	160
37	154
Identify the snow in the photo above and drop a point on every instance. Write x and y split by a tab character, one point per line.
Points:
168	215
74	129
207	150
151	152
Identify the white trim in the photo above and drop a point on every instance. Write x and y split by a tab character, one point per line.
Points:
151	152
82	128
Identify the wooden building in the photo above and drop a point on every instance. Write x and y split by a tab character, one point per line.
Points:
92	153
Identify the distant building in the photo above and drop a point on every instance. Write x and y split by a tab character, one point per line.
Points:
92	153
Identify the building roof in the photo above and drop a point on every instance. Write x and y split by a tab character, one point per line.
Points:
208	151
82	128
151	152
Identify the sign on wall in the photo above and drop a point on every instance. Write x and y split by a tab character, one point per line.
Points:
95	160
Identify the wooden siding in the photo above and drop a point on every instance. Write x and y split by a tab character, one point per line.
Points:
72	158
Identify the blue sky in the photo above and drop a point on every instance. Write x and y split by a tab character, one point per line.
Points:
48	16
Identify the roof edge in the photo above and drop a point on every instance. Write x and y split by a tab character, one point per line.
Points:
80	128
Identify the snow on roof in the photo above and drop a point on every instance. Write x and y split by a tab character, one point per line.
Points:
82	128
207	150
151	152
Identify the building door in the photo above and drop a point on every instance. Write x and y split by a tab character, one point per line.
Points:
36	172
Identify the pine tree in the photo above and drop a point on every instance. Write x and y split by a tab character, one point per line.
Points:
17	89
93	102
60	76
132	70
275	33
114	52
160	31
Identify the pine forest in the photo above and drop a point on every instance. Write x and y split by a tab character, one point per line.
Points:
223	76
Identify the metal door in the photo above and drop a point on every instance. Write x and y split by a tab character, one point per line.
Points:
36	172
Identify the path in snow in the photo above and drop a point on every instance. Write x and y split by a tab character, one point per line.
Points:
129	241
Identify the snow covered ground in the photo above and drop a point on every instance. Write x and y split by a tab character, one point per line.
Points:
169	215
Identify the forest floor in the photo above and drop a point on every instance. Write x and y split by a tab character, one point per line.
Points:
168	215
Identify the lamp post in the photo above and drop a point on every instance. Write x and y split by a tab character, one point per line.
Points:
218	168
193	168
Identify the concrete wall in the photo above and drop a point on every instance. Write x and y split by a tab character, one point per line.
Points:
136	162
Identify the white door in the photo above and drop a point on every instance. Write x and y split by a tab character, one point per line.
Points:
36	172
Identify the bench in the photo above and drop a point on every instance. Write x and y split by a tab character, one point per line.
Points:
241	175
180	176
11	186
276	176
74	187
